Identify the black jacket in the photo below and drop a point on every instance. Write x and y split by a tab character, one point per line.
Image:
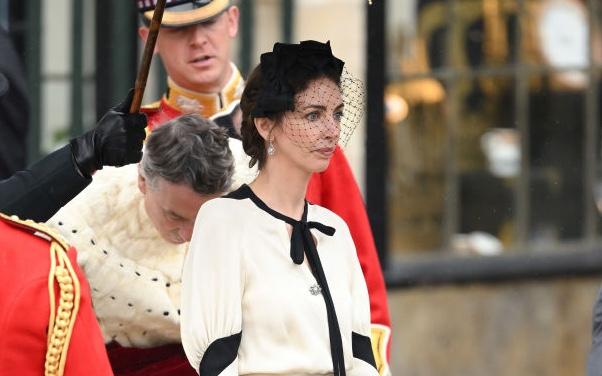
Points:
40	191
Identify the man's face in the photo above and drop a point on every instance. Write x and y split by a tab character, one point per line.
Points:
197	57
172	208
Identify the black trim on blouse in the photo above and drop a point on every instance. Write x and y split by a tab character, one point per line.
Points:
303	242
362	348
219	355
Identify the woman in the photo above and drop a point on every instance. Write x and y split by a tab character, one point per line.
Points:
280	291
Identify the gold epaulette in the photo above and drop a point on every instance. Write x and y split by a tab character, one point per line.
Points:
33	227
62	316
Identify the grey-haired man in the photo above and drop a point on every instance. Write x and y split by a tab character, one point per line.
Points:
132	224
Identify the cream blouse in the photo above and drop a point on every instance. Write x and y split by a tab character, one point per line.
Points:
249	309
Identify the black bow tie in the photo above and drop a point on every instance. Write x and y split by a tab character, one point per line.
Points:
301	237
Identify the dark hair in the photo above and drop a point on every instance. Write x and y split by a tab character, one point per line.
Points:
291	68
189	149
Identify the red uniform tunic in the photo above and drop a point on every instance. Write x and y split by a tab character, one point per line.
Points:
25	307
334	189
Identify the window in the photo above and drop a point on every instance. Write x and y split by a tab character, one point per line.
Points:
492	119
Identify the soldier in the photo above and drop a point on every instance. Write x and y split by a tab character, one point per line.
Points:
195	47
46	317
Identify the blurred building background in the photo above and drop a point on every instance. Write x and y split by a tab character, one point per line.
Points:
479	156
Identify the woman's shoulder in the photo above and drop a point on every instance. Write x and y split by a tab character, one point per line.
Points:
223	219
225	208
219	205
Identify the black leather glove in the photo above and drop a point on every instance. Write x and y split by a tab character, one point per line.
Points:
115	141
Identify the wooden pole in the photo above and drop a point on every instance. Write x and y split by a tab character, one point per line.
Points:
147	56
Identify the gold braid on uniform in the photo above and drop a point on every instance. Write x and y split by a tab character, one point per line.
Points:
60	325
62	318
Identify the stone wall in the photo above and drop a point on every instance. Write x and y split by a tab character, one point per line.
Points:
528	328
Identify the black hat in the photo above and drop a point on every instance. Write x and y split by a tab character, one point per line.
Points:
307	58
182	13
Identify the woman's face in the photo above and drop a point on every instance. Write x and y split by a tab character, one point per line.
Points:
309	135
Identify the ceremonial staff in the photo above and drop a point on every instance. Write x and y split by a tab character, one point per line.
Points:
147	56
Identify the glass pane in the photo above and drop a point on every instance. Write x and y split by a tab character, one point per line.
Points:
476	98
419	32
401	38
417	137
557	131
482	33
406	37
488	164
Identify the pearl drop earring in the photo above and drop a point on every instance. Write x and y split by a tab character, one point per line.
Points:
271	148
